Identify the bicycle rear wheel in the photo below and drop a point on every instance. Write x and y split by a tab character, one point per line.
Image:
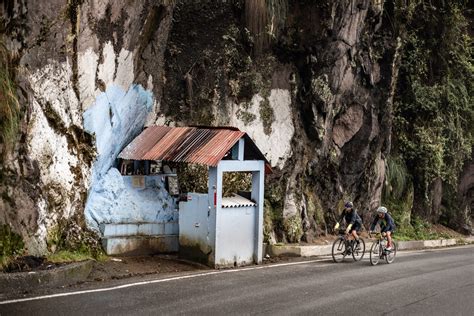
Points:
358	254
375	253
390	254
339	250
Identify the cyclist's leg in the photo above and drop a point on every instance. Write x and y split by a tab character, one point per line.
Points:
354	234
389	238
356	228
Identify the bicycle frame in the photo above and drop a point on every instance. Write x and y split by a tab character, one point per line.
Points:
380	243
347	247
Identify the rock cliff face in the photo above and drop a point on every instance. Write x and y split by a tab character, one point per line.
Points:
311	82
89	74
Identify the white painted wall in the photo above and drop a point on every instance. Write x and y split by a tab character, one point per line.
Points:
277	146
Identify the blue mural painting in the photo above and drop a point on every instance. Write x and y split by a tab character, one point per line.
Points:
116	117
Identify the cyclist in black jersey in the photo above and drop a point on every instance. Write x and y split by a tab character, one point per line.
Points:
353	221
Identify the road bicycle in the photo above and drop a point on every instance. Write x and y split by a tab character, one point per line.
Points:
343	246
379	250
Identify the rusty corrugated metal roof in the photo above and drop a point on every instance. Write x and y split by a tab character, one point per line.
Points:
200	145
144	142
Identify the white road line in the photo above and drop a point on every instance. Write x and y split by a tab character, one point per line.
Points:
118	287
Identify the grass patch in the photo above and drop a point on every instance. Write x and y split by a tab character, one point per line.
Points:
69	241
420	229
11	245
63	256
5	262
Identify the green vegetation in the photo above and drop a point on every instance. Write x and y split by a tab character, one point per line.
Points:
73	256
268	219
192	177
314	208
398	192
267	115
397	178
398	197
420	230
245	116
233	182
67	241
248	77
9	105
273	208
321	87
433	110
11	245
293	228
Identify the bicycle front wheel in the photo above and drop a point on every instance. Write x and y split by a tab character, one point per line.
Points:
390	255
359	250
339	251
375	253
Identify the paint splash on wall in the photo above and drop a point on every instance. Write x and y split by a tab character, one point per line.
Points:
116	117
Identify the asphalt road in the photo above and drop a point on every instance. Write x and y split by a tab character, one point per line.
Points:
437	282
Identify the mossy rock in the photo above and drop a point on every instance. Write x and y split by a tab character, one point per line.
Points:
267	116
293	229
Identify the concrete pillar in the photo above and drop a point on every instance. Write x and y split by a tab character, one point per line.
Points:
215	192
212	185
257	196
241	149
238	150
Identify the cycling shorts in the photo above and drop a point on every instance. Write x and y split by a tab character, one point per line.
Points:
357	227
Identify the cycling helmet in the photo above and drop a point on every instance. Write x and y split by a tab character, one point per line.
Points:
349	205
382	209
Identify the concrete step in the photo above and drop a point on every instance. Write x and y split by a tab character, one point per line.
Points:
323	250
140	229
140	245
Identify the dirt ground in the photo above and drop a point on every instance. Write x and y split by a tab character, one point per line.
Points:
124	267
440	229
30	263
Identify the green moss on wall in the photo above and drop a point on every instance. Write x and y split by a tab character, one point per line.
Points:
273	207
321	88
11	244
246	116
268	218
293	228
267	116
315	210
70	236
